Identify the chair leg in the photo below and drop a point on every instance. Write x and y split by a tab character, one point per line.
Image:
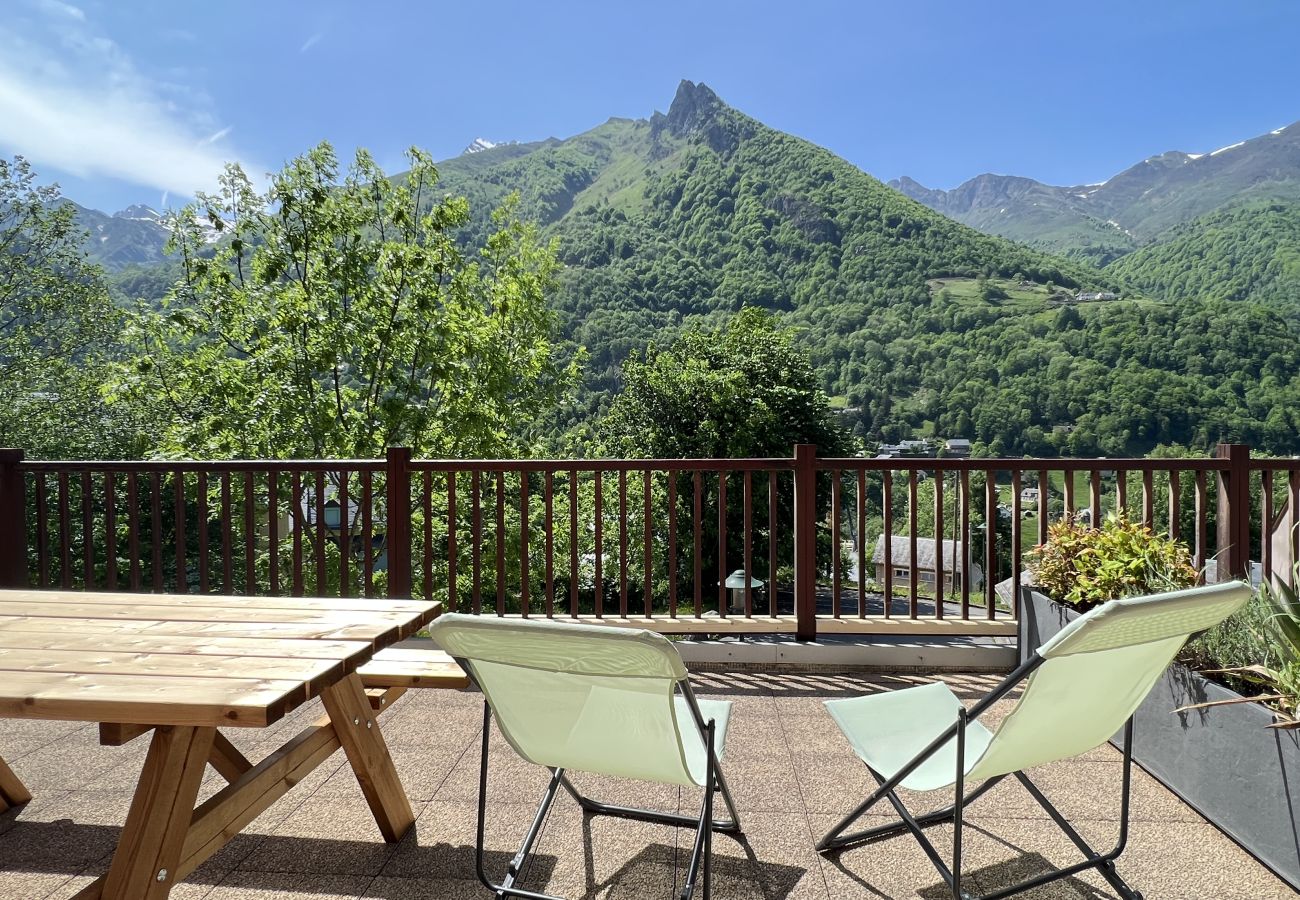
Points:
507	886
700	855
836	840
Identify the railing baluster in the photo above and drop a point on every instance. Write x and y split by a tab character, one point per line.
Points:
344	535
1043	483
1175	501
133	528
1148	500
273	532
319	536
573	543
599	600
749	543
672	544
647	548
622	543
87	533
914	567
548	503
178	514
201	498
1200	525
523	544
155	493
476	542
367	532
887	531
110	529
1094	498
965	544
1016	541
1067	480
500	485
426	557
298	520
861	498
722	544
1121	491
834	524
250	537
771	543
451	537
42	532
990	542
699	550
939	592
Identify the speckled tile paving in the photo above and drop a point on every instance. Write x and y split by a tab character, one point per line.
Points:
791	772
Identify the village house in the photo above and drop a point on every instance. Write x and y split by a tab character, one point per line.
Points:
901	552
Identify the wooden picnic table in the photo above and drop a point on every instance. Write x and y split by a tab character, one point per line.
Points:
183	666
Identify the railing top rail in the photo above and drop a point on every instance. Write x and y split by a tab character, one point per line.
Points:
1026	464
1288	464
201	465
600	465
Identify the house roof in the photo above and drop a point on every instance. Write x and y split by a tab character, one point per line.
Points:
901	550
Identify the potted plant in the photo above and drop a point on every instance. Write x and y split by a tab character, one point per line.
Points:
1210	740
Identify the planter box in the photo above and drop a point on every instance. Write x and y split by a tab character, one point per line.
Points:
1224	762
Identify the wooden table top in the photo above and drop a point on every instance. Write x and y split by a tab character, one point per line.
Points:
185	659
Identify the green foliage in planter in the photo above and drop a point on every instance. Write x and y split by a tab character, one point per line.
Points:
1239	641
1276	669
1085	566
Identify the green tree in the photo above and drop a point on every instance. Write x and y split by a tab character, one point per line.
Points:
740	390
338	315
57	328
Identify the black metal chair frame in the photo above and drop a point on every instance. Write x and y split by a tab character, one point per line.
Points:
699	867
1104	863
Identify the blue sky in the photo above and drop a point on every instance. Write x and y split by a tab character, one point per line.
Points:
126	101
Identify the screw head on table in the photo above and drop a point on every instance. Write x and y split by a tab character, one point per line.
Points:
162	875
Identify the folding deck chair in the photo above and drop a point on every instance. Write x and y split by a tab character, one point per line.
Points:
611	701
1084	684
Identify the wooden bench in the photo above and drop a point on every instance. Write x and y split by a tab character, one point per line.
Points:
391	671
385	677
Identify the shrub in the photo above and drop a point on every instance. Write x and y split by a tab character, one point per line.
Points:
1085	566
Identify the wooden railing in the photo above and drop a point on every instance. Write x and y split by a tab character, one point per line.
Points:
840	545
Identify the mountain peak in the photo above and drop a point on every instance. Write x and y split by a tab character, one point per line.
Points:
140	212
693	109
478	145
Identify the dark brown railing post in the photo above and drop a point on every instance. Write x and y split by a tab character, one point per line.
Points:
13	521
1233	512
805	541
398	541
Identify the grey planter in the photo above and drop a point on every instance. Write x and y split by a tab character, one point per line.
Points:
1224	762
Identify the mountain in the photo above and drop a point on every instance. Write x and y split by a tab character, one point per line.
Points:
1249	252
1102	222
134	236
918	324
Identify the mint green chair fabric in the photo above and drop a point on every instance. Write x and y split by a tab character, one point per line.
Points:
591	698
1081	687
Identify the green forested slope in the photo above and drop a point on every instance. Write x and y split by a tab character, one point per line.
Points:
1246	253
694	214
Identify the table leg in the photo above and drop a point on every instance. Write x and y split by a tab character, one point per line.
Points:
12	791
226	758
357	728
145	864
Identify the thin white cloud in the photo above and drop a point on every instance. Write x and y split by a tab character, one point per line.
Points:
72	99
66	9
215	136
311	41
